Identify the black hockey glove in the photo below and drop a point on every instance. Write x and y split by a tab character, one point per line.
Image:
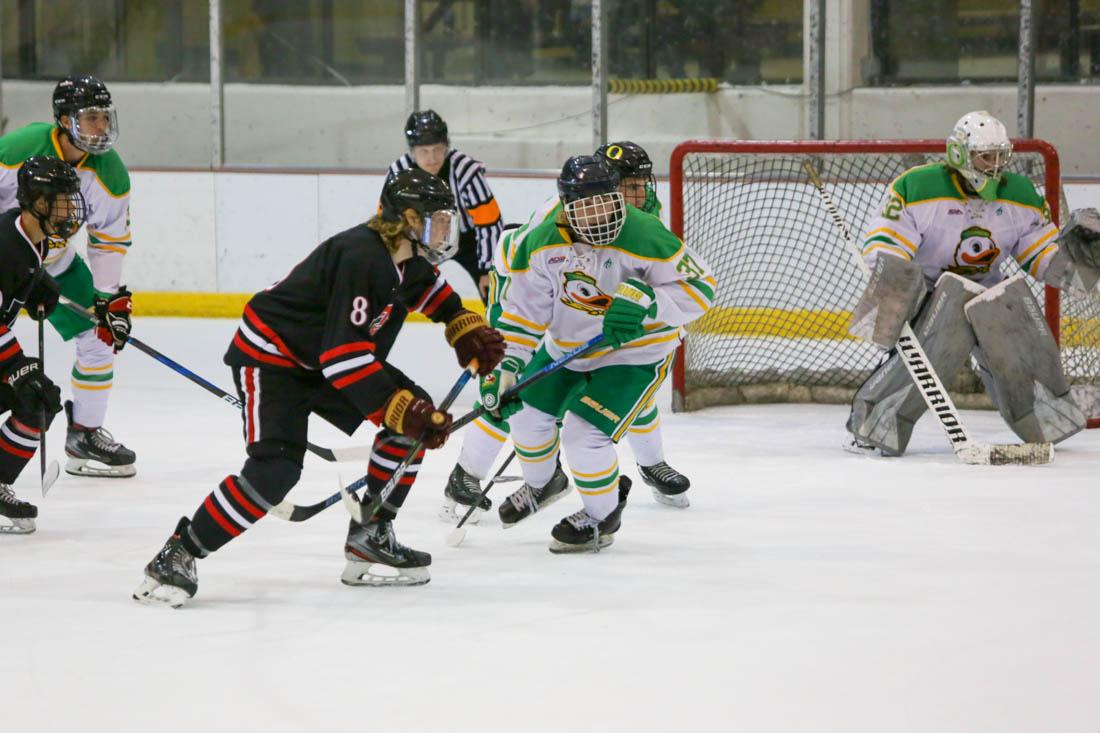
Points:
42	299
33	390
112	318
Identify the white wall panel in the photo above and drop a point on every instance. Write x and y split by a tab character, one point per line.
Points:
172	218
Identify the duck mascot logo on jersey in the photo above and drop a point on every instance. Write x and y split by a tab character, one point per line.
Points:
976	252
582	292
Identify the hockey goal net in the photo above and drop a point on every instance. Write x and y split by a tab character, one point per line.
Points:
787	281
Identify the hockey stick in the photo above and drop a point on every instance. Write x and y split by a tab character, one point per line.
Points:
542	373
47	473
297	513
354	453
928	382
454	539
358	513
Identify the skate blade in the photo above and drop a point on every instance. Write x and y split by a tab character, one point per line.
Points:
378	575
562	548
18	526
152	593
680	501
95	469
452	512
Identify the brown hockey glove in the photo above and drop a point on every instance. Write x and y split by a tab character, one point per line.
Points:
472	338
416	418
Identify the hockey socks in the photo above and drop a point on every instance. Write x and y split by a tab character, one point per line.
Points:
389	450
18	443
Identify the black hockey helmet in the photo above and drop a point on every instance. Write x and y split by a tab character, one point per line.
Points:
429	197
630	159
586	175
74	95
425	128
45	177
589	192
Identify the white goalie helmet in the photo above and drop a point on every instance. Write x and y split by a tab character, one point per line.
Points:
979	149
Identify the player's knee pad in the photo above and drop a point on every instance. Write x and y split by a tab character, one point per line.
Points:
1020	363
888	404
273	468
579	435
91	351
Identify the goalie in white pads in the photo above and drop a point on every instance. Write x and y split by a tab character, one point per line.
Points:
935	250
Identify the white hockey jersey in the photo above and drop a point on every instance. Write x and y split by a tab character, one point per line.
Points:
556	291
105	184
928	218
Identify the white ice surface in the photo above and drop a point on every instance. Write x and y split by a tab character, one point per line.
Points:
804	590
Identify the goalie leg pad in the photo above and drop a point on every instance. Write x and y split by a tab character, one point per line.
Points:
892	297
888	404
1020	364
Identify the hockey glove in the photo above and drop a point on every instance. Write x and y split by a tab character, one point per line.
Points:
494	385
34	392
472	338
112	318
416	418
633	301
42	299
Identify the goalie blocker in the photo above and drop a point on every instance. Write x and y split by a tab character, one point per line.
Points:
1019	364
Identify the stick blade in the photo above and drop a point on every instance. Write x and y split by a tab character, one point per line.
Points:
355	509
1020	454
457	535
50	476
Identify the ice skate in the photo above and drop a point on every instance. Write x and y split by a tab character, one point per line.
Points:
859	447
95	452
376	558
459	495
526	501
20	514
171	578
669	485
580	532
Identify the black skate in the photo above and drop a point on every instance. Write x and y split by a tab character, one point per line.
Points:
579	532
669	485
21	513
375	557
459	495
526	501
95	452
171	577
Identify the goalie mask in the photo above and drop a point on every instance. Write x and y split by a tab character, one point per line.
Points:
93	124
589	191
430	198
50	190
979	149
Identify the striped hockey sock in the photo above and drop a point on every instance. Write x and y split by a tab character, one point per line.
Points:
18	443
226	512
389	450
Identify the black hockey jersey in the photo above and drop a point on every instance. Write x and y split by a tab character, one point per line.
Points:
20	269
339	312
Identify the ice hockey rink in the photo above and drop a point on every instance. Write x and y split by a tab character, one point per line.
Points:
805	589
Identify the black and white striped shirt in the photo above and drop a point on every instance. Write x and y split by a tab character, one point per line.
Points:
478	209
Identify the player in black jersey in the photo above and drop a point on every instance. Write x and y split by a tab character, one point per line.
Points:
317	342
51	209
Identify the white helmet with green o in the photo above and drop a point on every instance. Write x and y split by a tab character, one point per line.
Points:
979	149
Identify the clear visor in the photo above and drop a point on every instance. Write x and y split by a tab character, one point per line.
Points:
597	219
439	239
62	216
94	129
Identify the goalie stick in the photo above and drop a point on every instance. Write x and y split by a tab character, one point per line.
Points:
332	455
925	378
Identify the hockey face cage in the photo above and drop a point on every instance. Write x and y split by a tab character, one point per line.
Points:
89	136
597	219
60	215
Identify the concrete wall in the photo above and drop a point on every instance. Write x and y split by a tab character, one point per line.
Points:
536	128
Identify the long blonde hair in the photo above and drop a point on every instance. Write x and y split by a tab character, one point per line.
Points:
392	232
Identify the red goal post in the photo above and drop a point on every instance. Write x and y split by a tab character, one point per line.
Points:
785	282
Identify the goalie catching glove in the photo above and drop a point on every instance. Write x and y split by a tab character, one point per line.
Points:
416	418
494	385
634	300
1076	264
472	338
112	318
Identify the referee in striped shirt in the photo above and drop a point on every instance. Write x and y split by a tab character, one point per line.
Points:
479	223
